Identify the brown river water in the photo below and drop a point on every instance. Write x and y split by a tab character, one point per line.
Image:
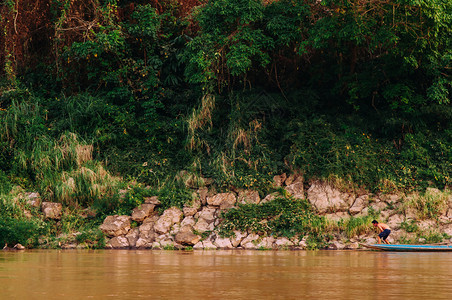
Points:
237	274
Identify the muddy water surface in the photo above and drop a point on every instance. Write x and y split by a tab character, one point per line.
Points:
237	274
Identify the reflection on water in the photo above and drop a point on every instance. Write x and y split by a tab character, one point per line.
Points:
225	274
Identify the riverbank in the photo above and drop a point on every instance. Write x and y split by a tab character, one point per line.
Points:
298	215
330	218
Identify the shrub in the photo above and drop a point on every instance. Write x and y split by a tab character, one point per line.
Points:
280	217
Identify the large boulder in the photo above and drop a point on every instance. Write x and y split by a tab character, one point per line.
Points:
142	212
250	241
282	242
115	225
295	186
208	245
202	226
170	217
394	221
132	236
359	205
190	211
188	221
248	196
223	243
118	242
325	198
146	231
208	214
266	242
296	190
238	238
223	200
187	238
52	210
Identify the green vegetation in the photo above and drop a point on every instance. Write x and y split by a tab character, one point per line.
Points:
102	97
429	205
281	217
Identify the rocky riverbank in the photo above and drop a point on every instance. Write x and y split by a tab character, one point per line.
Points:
196	225
343	219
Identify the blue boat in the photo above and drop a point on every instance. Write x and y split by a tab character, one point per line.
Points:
408	248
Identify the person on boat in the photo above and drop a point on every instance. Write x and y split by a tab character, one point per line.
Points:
384	231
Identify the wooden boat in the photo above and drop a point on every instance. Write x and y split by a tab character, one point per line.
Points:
408	248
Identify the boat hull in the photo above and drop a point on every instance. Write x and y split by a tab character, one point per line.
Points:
408	248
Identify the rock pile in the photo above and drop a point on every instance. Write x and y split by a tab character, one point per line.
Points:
195	225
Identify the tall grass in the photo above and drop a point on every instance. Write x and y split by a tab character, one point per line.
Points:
429	205
199	119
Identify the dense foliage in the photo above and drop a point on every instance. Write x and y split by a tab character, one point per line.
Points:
98	92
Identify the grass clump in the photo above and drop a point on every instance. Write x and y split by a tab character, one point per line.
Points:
430	205
355	226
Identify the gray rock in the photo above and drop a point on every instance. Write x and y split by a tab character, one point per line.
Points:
282	242
352	246
248	196
187	238
266	242
278	180
223	200
170	217
336	246
427	225
378	205
142	212
296	190
202	192
202	226
270	197
34	199
115	225
223	243
252	238
238	238
327	199
144	244
118	242
152	200
198	245
132	236
189	211
52	210
175	229
294	178
394	221
188	221
359	204
208	214
208	245
337	216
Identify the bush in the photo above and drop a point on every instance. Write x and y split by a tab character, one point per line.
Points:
13	231
5	185
280	217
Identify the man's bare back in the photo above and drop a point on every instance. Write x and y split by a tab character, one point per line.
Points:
384	231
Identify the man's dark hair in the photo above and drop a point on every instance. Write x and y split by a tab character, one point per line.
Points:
374	222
